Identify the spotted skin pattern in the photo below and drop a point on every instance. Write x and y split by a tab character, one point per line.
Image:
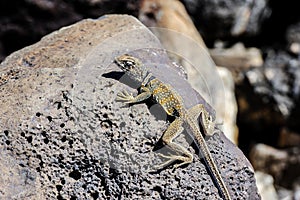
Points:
172	103
169	100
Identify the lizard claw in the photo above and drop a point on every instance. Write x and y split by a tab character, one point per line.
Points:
160	166
125	97
172	158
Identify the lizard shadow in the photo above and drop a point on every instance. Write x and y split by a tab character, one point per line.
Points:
121	77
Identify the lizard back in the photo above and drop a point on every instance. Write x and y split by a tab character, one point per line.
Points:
166	97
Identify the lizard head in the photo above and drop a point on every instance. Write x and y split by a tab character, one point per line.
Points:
132	66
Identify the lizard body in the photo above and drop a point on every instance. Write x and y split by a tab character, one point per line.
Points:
172	103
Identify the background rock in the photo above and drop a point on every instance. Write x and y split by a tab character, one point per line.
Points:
237	58
265	185
236	17
269	97
60	122
283	165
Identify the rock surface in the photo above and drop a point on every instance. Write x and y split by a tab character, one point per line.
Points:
63	135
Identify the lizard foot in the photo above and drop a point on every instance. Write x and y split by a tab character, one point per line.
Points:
185	160
125	97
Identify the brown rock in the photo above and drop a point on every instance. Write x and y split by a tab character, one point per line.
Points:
170	14
288	138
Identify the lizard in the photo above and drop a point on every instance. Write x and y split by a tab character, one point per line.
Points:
172	103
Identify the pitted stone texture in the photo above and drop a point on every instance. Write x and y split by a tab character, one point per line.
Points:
17	182
61	126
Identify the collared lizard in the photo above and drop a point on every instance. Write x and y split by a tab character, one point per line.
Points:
172	103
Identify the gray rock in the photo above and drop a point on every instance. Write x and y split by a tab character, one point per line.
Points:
17	181
277	81
61	126
268	99
293	33
293	38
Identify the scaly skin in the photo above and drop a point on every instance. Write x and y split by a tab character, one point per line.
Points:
172	103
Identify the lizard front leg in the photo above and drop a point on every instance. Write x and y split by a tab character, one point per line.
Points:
170	134
129	98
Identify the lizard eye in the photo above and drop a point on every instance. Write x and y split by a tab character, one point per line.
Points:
210	118
128	64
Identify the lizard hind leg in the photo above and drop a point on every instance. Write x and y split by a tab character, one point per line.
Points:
169	135
206	119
